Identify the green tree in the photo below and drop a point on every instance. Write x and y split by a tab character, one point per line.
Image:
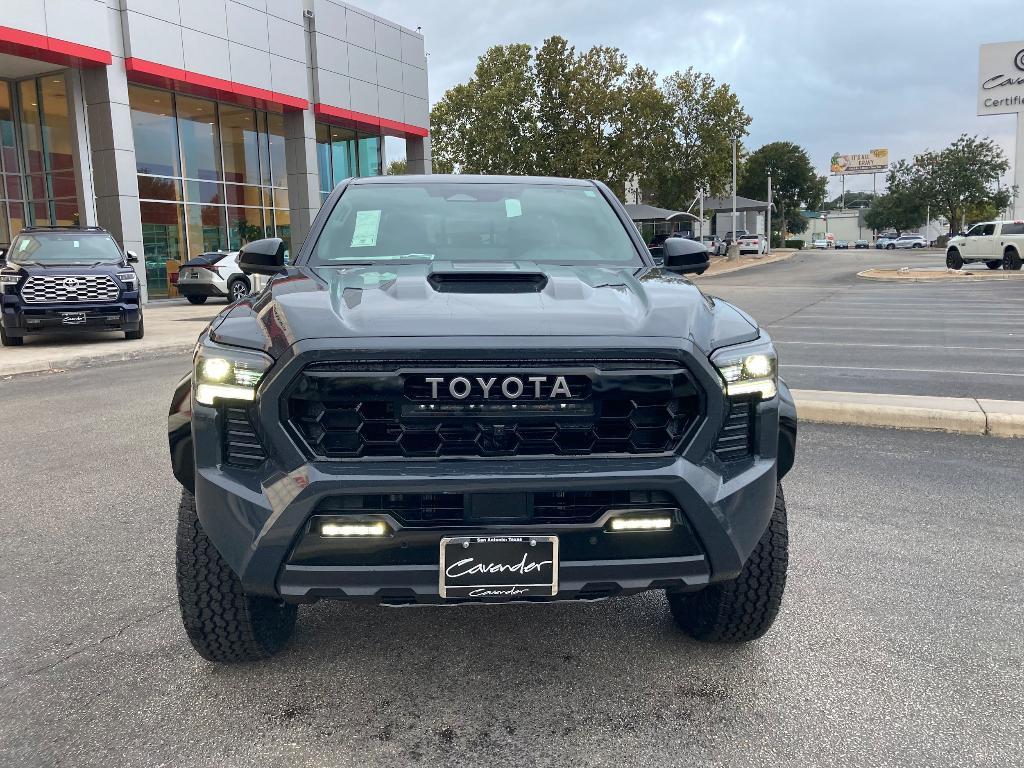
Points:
557	111
794	183
397	168
704	116
958	181
897	210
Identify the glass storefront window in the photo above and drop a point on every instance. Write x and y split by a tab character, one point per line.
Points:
56	124
278	166
369	156
200	139
244	226
163	238
241	145
205	228
31	135
155	131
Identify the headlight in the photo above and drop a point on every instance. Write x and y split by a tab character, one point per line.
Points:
9	279
228	373
749	369
129	278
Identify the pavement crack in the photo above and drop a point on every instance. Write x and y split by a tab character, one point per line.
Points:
82	649
808	306
984	413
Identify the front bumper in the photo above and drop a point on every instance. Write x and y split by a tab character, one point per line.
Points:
19	318
261	518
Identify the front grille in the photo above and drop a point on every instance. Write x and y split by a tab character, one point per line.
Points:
56	289
426	510
736	440
242	446
350	414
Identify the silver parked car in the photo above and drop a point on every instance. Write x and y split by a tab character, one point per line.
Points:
911	241
213	274
715	245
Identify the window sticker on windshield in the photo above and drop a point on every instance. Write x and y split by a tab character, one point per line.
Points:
513	208
76	243
365	232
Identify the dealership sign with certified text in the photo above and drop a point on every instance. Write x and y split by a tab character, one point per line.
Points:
1001	79
872	162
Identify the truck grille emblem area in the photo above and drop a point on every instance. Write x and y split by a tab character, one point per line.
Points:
407	413
48	289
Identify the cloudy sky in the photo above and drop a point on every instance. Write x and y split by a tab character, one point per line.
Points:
833	77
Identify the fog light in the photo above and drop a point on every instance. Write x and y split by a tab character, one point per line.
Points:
354	529
641	523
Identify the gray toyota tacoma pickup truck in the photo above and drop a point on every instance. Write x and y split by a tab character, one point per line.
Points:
478	389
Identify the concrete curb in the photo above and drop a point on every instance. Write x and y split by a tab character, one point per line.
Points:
961	415
772	259
891	276
82	361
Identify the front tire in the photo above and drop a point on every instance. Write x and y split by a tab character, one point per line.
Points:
238	289
138	333
10	341
953	259
743	609
196	299
222	622
1011	259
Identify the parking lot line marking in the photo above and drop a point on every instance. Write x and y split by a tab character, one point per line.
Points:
945	316
955	330
902	370
897	346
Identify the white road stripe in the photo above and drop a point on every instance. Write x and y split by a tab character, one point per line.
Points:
897	346
901	370
846	328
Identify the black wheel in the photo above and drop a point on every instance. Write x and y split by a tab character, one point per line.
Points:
10	341
744	609
196	299
138	333
890	247
953	259
1011	259
918	245
993	264
238	289
222	622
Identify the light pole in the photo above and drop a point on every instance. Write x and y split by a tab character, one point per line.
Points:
735	139
768	216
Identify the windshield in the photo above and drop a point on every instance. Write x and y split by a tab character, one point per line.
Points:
69	248
474	222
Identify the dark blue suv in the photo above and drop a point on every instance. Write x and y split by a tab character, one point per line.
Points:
67	279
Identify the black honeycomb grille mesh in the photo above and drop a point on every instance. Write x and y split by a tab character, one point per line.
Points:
343	415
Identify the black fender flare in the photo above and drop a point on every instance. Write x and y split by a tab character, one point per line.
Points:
179	434
787	430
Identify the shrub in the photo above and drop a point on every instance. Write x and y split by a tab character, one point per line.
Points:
798	244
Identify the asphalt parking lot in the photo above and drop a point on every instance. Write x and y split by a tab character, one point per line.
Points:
836	331
898	643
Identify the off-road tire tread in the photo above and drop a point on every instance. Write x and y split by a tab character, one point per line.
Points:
744	609
222	622
197	299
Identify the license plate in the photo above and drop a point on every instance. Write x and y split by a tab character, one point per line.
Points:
73	318
499	567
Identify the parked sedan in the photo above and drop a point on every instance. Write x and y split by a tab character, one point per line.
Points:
714	244
842	244
213	274
858	244
752	244
911	241
821	245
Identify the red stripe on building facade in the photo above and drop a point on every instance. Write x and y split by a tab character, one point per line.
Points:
30	45
364	121
151	73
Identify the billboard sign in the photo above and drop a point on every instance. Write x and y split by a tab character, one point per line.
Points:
1001	78
875	161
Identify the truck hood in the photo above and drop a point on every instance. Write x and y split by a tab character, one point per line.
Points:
459	300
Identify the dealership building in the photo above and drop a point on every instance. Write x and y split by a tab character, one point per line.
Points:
184	126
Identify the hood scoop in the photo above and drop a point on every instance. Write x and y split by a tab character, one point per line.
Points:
462	281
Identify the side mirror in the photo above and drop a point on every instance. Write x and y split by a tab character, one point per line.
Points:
263	257
131	257
658	254
684	256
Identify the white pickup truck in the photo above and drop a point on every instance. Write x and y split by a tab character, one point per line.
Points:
997	243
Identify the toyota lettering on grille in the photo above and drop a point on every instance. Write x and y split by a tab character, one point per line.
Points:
509	387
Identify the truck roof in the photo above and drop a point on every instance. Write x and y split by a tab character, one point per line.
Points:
437	178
